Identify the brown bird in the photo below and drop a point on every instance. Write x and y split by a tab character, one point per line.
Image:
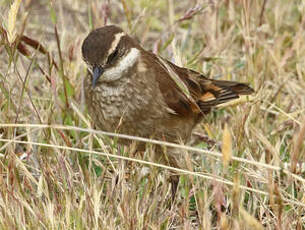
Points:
133	91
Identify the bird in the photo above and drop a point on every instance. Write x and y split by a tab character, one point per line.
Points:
130	90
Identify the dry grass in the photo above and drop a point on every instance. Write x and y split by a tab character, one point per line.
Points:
59	173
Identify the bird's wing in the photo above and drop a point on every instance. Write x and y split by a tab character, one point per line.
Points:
187	92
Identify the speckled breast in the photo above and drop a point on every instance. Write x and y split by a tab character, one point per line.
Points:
130	105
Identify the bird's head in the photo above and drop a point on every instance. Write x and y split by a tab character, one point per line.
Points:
109	52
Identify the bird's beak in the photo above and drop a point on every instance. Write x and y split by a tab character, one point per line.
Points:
97	73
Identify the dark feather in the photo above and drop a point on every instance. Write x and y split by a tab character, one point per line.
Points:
205	93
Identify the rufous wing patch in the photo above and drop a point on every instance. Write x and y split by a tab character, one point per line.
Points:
208	96
214	87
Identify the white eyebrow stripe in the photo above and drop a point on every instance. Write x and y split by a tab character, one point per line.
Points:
115	42
124	64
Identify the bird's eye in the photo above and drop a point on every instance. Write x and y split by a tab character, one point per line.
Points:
112	56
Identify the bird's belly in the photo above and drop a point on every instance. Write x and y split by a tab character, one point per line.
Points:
125	110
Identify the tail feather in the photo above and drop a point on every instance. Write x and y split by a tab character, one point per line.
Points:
236	87
215	92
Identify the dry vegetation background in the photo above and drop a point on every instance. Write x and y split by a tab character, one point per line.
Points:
54	172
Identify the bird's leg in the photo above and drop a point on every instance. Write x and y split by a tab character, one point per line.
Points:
174	180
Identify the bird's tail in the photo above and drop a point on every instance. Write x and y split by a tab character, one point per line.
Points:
215	92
